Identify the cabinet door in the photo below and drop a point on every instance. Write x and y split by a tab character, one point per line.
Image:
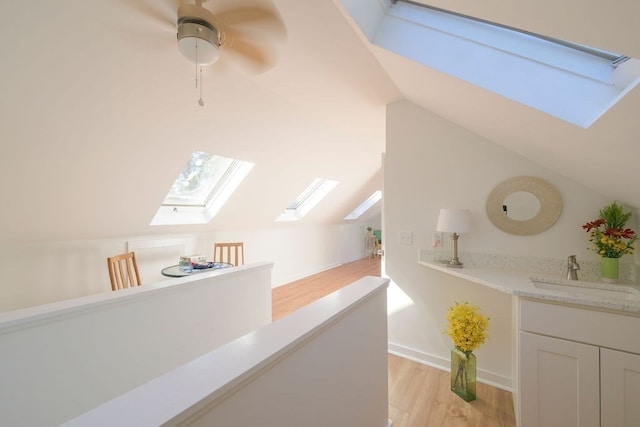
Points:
559	383
620	383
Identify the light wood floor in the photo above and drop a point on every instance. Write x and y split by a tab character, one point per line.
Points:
419	395
288	298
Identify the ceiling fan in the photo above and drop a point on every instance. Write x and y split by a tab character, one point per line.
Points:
246	31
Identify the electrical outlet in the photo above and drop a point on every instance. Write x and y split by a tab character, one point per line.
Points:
405	238
436	240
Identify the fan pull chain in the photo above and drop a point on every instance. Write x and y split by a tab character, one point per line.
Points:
196	62
201	101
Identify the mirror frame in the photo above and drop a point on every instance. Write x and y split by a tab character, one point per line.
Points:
550	205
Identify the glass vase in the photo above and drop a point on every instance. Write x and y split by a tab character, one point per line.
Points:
609	269
463	374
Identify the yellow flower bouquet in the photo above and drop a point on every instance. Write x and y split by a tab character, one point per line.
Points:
467	327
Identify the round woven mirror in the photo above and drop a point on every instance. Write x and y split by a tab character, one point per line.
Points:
524	205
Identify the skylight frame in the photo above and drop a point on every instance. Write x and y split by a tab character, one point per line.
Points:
566	83
365	206
307	199
203	210
614	58
504	47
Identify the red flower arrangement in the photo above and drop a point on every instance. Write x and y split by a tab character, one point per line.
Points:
612	240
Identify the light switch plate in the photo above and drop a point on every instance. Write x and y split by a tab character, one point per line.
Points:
405	237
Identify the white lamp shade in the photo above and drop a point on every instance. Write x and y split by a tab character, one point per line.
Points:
454	221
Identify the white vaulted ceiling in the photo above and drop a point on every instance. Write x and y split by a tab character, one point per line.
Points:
99	112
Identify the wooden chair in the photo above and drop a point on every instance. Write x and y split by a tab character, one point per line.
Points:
373	246
123	271
233	253
378	247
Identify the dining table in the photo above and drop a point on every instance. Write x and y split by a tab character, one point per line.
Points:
178	271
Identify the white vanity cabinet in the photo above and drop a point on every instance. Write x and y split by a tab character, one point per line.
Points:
620	387
577	367
559	382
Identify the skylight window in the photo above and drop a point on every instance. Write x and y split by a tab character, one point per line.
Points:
203	186
310	197
364	206
572	82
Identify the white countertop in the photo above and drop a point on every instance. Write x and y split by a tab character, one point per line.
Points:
622	297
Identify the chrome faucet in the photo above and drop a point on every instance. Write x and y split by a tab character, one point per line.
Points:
572	268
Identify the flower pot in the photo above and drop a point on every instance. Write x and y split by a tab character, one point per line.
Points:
609	269
463	374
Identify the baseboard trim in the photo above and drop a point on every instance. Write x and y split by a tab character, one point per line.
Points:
483	376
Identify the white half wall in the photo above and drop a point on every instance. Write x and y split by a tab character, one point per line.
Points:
431	163
62	359
323	365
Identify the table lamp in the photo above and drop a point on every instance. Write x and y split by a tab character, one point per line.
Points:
454	221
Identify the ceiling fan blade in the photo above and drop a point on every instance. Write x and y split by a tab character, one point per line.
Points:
252	16
253	58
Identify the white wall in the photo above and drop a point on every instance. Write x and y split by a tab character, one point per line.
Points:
430	164
36	273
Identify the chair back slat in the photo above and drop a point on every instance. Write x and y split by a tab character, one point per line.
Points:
233	253
123	271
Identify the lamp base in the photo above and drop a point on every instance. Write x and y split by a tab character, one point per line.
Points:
455	262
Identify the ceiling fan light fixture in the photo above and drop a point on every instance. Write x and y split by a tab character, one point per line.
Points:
198	41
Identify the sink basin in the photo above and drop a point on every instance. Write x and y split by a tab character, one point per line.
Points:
605	290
